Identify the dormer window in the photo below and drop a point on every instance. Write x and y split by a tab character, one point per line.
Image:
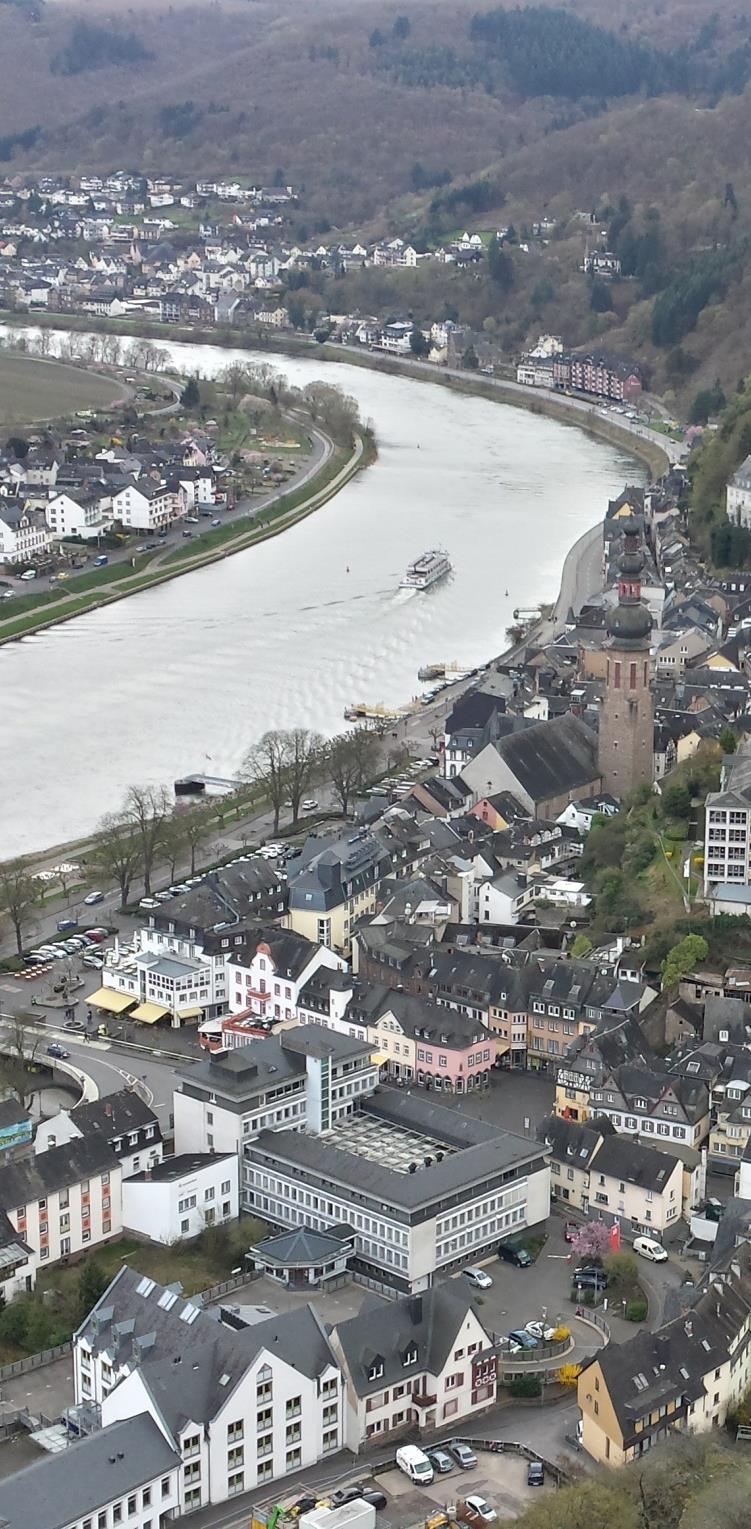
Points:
376	1368
410	1355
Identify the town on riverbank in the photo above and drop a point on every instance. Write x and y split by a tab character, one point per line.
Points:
489	938
107	503
448	1006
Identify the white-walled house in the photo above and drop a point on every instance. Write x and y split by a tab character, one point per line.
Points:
147	505
180	1196
87	514
24	534
64	1201
425	1361
241	1406
123	1119
128	1473
267	974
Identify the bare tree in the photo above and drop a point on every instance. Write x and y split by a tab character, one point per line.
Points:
18	896
118	854
20	1048
148	809
266	765
305	757
350	761
197	829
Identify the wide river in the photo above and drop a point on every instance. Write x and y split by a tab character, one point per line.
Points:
186	677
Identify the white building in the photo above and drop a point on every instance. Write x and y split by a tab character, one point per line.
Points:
241	1407
267	974
177	988
727	825
738	496
24	534
123	1120
128	1473
146	505
304	1077
423	1188
180	1196
64	1201
423	1361
87	514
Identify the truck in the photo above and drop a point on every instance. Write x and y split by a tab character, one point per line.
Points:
415	1464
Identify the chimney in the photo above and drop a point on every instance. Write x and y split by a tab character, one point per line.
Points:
415	1308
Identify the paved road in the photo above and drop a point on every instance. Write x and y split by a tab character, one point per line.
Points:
246	509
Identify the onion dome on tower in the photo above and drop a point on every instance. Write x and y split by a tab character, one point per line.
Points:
629	624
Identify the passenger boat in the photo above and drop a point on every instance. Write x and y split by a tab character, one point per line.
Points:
426	570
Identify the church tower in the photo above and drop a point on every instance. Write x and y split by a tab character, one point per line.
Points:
626	740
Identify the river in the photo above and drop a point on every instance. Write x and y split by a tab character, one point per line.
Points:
187	676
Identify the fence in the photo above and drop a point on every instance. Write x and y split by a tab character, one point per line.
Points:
35	1361
508	1447
237	1281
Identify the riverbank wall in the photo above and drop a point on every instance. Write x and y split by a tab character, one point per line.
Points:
561	407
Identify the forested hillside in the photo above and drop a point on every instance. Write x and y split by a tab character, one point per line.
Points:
422	119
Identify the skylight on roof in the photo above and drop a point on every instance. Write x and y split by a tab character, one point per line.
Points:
189	1314
224	1379
167	1299
641	1382
144	1287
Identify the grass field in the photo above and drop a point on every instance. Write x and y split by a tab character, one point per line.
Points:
34	389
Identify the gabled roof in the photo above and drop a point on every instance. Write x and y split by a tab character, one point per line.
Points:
79	1480
115	1115
551	758
189	1359
34	1178
383	1334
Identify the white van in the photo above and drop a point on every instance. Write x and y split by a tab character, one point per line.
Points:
415	1464
646	1247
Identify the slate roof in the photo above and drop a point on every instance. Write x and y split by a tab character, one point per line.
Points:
83	1478
303	1245
653	1368
431	1321
115	1115
483	1152
184	1352
34	1178
290	952
619	1157
551	758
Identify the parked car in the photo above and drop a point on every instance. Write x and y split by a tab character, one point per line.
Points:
94	898
463	1455
148	903
478	1511
535	1474
540	1330
647	1247
440	1461
66	923
478	1278
590	1279
511	1255
364	1493
97	934
522	1338
309	805
58	1051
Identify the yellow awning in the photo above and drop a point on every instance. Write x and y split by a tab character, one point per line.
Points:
149	1013
107	998
189	1013
378	1058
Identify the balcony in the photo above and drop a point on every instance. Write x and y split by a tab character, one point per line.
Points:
423	1401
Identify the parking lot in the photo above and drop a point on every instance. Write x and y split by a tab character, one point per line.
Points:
500	1479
